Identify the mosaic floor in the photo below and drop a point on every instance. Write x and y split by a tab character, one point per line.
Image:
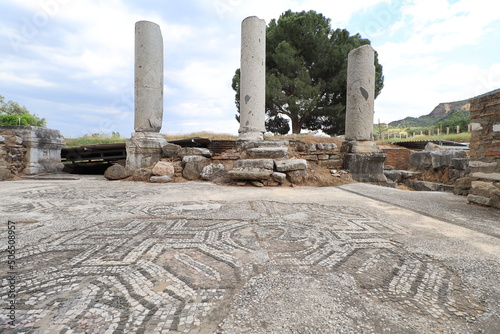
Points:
175	267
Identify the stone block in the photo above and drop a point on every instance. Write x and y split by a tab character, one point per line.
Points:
5	174
212	172
310	157
194	151
297	176
311	147
393	175
142	174
236	174
301	147
267	153
290	165
481	200
192	169
2	139
323	157
43	147
170	150
368	167
487	176
267	164
144	149
194	158
444	158
456	174
160	179
326	146
117	172
405	174
460	163
163	168
279	177
245	145
420	160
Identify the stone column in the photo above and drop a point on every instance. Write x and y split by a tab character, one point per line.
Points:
360	94
362	156
253	79
148	77
145	147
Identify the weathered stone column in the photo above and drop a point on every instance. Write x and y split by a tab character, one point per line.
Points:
145	147
253	79
360	94
148	77
362	157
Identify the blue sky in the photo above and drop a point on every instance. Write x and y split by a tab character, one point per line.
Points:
71	61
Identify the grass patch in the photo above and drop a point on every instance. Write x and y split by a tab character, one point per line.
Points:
203	134
96	139
458	137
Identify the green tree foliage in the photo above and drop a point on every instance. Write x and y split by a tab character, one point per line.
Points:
306	73
460	117
11	113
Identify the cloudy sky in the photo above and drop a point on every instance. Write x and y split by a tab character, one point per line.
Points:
71	61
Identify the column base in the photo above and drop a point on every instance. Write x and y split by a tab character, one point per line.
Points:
144	149
251	136
365	161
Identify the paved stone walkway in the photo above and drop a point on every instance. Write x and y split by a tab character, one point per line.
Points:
94	256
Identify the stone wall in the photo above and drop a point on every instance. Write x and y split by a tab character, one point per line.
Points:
12	155
30	150
484	166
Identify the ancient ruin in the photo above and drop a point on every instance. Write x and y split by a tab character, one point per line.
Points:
363	158
29	150
144	148
484	167
253	79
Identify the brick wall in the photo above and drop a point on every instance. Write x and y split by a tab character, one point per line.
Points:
485	150
397	157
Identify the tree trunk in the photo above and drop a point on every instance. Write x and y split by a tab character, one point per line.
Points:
296	125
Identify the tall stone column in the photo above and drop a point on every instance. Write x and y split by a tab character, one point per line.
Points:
360	94
145	147
362	157
148	77
253	79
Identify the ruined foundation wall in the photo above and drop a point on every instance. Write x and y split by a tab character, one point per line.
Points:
12	155
30	150
485	150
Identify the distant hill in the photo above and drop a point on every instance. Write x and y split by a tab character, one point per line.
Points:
440	113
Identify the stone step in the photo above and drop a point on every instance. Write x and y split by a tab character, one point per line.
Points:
265	164
249	174
267	153
290	165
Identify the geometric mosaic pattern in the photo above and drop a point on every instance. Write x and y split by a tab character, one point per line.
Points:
170	267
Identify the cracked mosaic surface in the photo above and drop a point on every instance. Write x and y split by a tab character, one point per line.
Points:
172	267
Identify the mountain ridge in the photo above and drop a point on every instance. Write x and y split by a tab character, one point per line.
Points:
440	113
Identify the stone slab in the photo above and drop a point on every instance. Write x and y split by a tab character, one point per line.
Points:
290	165
249	175
267	153
267	164
487	176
